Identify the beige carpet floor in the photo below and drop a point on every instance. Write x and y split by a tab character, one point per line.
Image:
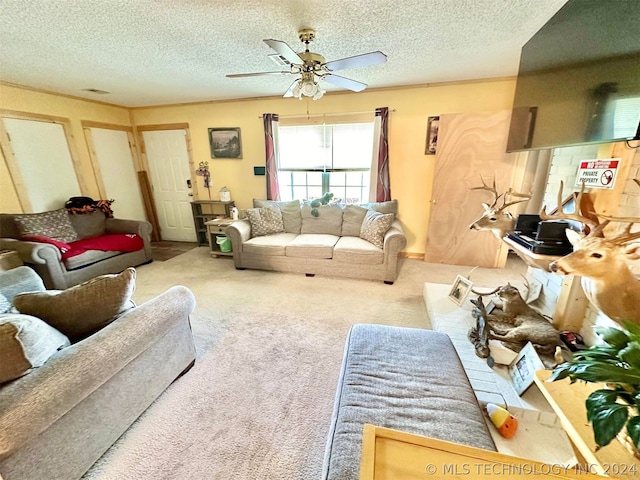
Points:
258	402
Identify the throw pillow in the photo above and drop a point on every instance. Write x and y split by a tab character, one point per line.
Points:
328	221
92	224
54	224
291	216
265	220
84	309
374	227
26	342
352	218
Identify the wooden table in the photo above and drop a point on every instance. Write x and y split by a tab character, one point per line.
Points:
216	227
567	400
393	455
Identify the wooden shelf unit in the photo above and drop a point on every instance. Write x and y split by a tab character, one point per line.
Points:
567	400
205	210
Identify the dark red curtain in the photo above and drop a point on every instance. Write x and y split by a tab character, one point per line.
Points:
271	122
383	187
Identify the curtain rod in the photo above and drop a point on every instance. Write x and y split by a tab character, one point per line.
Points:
325	114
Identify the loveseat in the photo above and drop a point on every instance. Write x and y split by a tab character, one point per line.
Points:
355	241
66	249
60	416
406	379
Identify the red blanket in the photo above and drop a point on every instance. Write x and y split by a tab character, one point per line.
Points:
119	242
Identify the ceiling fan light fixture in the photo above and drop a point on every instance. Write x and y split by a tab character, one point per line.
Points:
297	90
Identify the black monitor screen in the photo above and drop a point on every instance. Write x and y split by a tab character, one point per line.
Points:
579	78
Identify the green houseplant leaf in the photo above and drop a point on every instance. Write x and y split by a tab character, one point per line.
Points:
633	429
616	362
607	421
613	336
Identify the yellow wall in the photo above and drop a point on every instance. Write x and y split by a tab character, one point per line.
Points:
411	171
75	110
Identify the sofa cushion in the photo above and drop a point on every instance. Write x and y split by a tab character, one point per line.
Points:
328	221
269	245
390	206
88	258
312	246
352	218
291	216
357	251
84	309
26	342
92	224
265	220
5	304
53	224
375	225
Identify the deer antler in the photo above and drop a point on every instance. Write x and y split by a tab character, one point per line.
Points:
594	228
627	235
492	189
523	197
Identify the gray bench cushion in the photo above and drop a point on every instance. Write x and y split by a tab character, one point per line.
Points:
401	378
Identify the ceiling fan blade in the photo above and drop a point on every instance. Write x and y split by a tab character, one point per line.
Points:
284	50
257	74
364	60
344	82
289	92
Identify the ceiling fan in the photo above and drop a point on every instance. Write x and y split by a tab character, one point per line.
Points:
310	65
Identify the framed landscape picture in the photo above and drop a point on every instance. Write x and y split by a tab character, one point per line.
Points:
225	143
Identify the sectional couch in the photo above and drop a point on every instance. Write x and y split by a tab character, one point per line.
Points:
60	416
355	241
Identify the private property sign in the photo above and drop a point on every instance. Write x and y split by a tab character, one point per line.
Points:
598	173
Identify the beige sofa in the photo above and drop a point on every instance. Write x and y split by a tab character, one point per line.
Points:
355	241
57	420
58	273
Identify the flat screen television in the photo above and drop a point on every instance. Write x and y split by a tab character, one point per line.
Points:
579	78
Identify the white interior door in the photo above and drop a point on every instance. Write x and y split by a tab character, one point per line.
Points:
44	160
115	162
168	159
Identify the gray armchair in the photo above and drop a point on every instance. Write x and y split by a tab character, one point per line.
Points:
60	274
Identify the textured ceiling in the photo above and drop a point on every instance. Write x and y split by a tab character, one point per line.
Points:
153	52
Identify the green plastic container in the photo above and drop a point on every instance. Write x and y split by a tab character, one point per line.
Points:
224	243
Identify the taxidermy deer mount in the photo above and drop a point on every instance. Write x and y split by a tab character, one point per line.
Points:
601	261
496	218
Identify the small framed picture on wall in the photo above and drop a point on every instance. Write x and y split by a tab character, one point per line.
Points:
225	143
432	135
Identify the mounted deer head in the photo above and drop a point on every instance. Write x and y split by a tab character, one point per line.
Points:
496	218
607	280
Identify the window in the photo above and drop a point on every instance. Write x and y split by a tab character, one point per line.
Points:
626	117
316	159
